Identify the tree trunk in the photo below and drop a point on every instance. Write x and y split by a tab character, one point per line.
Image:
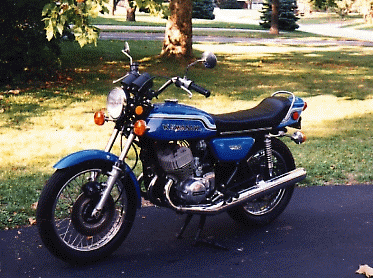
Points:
114	7
131	14
178	35
130	11
274	19
115	4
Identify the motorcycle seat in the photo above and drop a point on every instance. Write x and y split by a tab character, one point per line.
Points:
267	114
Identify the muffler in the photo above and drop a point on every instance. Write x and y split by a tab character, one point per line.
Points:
260	189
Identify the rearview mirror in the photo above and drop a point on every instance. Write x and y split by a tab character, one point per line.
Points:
209	60
126	48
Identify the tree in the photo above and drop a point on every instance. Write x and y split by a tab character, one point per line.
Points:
115	4
59	15
227	4
152	6
178	35
286	16
274	17
130	9
203	9
324	4
25	52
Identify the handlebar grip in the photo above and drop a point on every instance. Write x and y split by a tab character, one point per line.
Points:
199	89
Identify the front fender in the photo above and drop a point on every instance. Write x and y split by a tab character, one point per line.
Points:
87	155
83	156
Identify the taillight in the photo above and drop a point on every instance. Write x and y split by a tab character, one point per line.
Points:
295	115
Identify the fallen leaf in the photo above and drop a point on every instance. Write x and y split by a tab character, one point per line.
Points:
365	269
32	221
14	92
34	205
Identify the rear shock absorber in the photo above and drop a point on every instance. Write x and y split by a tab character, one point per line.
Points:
268	153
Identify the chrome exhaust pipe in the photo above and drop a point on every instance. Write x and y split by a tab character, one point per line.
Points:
262	188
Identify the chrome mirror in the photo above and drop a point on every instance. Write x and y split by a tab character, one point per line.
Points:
209	60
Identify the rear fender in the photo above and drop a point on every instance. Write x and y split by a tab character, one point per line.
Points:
87	155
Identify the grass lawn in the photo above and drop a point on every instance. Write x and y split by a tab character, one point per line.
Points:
41	123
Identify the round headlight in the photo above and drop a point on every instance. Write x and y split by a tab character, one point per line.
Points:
116	101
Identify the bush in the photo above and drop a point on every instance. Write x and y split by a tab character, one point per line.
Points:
227	4
25	52
203	9
287	18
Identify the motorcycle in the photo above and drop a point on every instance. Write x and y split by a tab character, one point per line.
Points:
193	162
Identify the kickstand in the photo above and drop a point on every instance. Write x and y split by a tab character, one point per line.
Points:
197	240
187	220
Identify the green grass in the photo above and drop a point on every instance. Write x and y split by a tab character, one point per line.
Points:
148	20
328	17
41	124
343	157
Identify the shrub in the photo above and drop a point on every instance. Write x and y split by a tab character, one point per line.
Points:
203	9
287	18
25	52
227	4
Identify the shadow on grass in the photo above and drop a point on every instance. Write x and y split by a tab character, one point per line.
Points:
19	191
343	73
89	72
344	156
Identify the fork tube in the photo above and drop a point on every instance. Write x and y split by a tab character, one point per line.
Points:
127	146
113	176
111	141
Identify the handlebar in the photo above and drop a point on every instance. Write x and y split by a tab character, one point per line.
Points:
185	84
199	89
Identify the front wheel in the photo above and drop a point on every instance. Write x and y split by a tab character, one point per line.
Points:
265	209
64	218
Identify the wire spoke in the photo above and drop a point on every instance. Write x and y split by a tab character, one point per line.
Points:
77	237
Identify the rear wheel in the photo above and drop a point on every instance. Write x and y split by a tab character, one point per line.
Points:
64	218
265	209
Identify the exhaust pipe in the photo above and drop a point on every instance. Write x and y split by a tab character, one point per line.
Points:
262	188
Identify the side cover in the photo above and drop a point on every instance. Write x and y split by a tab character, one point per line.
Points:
173	121
232	148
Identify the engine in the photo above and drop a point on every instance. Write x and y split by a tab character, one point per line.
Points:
192	185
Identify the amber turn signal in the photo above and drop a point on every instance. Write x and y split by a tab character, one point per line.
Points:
298	137
305	106
139	110
99	118
139	128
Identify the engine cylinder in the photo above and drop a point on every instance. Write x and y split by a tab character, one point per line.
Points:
177	161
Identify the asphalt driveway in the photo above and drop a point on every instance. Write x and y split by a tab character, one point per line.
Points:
324	232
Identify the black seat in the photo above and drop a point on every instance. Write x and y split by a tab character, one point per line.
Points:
267	114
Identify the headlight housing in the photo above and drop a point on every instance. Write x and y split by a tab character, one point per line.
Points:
116	102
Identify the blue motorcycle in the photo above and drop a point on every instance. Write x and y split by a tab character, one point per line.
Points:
193	162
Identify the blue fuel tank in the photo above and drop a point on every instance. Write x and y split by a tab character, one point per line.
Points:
173	121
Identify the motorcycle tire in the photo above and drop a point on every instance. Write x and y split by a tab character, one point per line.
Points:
64	219
265	209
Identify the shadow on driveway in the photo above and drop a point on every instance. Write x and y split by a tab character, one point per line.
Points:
324	232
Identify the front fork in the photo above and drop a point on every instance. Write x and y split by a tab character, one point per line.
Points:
115	173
